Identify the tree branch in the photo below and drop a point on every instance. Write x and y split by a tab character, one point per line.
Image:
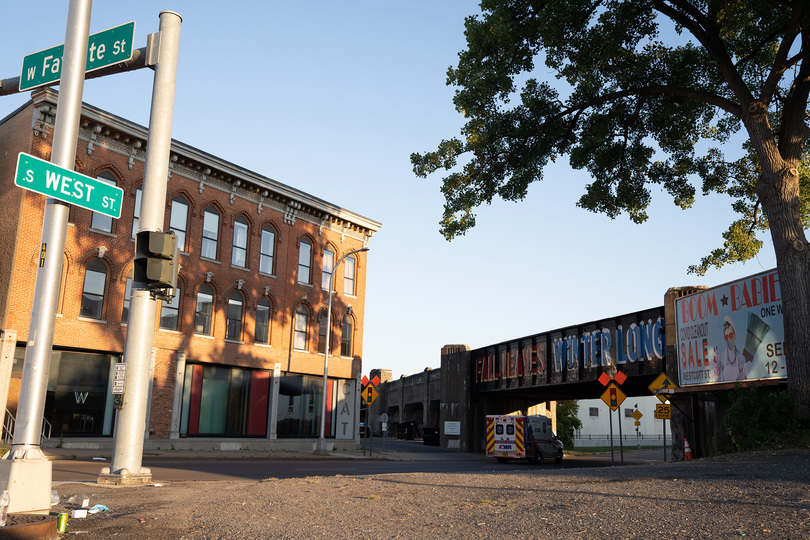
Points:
793	130
781	63
673	91
698	26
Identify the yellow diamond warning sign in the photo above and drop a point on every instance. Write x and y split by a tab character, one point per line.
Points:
369	394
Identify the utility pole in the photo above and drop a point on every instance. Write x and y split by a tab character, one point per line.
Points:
25	471
130	425
320	447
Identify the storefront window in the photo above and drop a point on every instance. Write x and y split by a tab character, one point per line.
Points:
79	401
299	406
224	401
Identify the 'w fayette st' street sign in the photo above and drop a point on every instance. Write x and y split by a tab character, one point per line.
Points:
104	48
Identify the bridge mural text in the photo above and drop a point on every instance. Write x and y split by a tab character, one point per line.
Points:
633	343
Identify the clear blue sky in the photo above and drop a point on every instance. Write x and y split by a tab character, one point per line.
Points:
332	98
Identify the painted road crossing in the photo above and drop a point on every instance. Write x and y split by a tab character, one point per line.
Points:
43	177
105	48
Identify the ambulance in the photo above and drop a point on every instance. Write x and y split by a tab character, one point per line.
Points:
515	436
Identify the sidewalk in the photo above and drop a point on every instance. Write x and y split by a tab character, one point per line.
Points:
394	450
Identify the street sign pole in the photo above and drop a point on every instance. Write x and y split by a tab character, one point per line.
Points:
610	416
25	471
130	423
621	441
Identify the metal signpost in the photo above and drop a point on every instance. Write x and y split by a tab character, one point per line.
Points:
25	471
104	49
663	412
320	447
613	398
130	424
662	384
637	416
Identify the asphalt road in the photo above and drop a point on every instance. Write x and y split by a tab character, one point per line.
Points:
399	457
757	495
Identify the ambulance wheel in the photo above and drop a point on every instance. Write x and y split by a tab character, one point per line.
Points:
558	457
503	459
538	456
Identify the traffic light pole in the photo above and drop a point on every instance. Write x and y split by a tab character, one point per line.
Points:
130	425
25	471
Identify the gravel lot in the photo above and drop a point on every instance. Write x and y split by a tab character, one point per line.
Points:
758	495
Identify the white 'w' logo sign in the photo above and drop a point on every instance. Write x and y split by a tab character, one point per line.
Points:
81	397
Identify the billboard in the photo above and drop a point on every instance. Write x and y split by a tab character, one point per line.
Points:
732	332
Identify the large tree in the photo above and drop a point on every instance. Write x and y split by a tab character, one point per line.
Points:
648	92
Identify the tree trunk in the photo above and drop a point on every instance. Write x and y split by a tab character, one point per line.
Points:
779	194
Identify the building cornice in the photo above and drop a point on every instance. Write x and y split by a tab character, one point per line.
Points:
100	128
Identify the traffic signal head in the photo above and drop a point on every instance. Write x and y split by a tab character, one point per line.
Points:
156	263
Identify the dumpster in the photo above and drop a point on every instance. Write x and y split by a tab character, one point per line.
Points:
430	436
406	430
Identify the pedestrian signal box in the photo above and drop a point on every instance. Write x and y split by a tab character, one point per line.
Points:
156	262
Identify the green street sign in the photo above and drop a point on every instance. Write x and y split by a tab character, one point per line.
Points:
44	177
104	48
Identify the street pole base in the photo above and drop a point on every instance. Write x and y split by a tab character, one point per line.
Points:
124	477
321	448
129	480
28	482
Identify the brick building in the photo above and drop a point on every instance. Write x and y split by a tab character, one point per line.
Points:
239	352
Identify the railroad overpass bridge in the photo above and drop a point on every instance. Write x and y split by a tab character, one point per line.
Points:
526	375
728	336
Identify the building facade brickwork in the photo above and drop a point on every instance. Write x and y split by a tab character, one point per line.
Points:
252	293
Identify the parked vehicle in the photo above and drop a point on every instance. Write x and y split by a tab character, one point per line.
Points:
517	437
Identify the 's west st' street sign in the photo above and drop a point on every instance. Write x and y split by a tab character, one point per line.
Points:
44	177
104	48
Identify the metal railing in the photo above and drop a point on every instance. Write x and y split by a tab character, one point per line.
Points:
9	422
45	434
625	436
8	428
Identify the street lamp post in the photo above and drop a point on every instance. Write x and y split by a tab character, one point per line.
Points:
321	446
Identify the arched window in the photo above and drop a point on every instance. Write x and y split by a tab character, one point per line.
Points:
210	233
300	332
328	268
127	294
170	311
262	321
178	222
322	325
346	337
204	310
234	328
268	250
240	238
348	276
102	222
95	282
304	261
